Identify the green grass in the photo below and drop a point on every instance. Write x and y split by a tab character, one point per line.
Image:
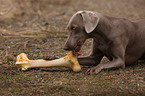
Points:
56	81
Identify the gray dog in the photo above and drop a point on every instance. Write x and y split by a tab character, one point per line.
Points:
120	40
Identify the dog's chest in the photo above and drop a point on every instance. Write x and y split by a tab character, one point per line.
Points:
104	48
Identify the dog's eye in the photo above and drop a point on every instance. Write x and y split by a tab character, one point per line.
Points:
72	28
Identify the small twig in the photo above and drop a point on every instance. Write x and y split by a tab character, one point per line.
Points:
2	13
43	28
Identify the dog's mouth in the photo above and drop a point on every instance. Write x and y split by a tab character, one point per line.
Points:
77	49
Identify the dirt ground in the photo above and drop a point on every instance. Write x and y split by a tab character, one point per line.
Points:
38	28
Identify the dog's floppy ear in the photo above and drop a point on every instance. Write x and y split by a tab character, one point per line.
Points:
90	20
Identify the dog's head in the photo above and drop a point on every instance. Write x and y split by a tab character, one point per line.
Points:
80	26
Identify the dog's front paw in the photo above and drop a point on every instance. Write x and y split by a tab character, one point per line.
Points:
94	70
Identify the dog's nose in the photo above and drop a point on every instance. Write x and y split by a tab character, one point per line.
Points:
67	48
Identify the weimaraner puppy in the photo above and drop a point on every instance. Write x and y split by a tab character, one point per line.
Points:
120	40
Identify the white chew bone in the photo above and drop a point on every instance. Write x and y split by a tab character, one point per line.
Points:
68	61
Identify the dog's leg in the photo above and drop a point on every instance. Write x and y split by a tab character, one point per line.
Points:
89	60
113	64
94	58
117	54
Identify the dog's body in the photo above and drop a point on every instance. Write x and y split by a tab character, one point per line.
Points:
120	40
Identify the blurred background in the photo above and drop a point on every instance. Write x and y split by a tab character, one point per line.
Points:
22	17
38	28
